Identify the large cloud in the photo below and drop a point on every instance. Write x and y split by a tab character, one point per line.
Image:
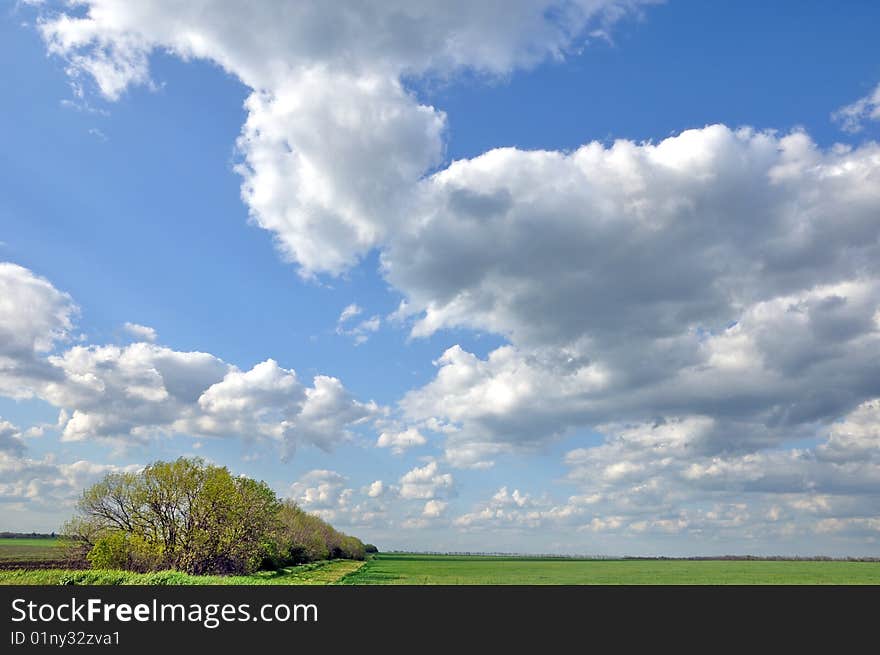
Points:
141	390
719	272
333	144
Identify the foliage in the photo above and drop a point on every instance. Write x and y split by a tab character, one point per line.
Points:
303	537
198	518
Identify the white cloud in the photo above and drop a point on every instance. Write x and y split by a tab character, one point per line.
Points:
514	510
858	434
10	439
434	509
719	272
376	489
399	442
322	492
142	332
328	494
425	482
348	313
852	117
362	330
143	390
34	316
270	401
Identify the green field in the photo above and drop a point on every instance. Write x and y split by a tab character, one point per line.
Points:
414	569
319	573
30	549
406	569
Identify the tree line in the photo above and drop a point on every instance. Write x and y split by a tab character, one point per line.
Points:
191	516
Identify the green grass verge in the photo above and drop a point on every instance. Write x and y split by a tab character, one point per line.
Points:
405	569
317	573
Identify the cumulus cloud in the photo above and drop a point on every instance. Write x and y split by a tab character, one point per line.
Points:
434	509
269	400
852	117
142	390
376	489
10	439
425	482
34	316
333	143
419	500
322	492
141	332
517	510
399	442
328	494
730	273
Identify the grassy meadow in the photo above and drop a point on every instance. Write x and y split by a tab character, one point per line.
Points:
411	569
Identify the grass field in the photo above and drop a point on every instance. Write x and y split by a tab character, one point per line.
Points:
319	573
413	569
408	569
30	549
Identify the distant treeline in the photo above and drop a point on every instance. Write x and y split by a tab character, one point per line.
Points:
27	535
191	516
761	558
655	558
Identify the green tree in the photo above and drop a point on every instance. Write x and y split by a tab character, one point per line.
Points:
185	515
196	517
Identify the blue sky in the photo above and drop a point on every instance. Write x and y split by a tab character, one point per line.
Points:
128	198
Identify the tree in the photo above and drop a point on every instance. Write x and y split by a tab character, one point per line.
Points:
185	515
196	517
304	537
